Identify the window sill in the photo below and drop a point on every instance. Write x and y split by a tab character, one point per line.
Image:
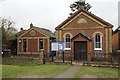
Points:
41	50
67	49
98	49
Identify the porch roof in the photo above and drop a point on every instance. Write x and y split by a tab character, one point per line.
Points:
83	35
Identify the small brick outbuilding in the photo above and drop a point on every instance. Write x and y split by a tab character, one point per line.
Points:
34	40
116	40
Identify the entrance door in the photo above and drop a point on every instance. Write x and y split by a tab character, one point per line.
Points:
80	50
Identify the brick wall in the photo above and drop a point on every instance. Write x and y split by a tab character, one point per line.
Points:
115	42
33	42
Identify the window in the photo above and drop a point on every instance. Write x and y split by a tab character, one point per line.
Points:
24	45
40	44
98	42
67	41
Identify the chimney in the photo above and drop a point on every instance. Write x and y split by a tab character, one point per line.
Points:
31	25
21	29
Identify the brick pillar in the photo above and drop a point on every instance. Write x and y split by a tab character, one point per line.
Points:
106	43
41	57
89	57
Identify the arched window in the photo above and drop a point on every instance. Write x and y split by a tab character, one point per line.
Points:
98	42
67	41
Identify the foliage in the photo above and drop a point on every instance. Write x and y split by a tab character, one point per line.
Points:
80	5
98	59
7	27
8	32
21	61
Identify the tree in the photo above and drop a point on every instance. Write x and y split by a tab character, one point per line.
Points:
80	5
8	32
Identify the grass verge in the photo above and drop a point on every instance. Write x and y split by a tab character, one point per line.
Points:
96	72
29	67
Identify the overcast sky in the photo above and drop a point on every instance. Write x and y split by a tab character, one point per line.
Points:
50	13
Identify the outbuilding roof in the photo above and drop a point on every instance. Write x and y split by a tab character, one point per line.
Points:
118	29
43	30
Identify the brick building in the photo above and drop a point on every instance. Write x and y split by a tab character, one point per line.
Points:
85	35
116	39
34	40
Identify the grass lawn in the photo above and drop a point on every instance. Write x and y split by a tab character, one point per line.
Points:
28	67
96	72
10	71
0	71
21	67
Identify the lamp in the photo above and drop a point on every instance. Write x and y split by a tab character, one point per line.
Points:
20	41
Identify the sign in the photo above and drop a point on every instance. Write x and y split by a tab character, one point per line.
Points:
101	56
56	46
61	46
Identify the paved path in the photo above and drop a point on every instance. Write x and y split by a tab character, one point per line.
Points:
69	73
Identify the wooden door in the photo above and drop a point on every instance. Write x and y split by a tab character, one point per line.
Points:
80	50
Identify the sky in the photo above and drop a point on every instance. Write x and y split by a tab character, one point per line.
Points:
50	13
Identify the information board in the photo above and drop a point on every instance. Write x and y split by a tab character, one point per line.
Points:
54	46
61	46
57	46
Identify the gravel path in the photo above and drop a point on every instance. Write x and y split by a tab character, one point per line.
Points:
69	73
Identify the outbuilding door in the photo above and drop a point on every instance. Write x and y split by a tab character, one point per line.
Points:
80	50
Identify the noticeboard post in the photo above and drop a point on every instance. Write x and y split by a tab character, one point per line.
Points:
57	46
61	48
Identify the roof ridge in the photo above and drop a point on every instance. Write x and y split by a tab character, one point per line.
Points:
45	31
42	28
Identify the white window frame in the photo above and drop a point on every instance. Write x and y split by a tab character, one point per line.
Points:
65	42
100	42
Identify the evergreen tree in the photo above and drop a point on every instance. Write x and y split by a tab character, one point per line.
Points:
80	5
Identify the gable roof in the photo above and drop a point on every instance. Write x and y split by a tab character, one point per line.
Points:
88	13
21	32
117	30
42	30
83	35
45	31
